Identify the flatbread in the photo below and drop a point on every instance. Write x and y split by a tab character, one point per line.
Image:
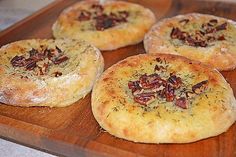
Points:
54	73
206	38
160	98
108	26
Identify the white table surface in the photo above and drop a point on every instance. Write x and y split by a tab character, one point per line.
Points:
10	149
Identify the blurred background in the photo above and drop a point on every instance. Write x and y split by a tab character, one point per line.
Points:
12	11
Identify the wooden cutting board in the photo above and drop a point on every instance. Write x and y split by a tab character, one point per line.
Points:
72	131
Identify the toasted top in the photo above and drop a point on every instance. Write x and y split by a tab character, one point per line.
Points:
163	99
46	72
109	25
206	38
41	59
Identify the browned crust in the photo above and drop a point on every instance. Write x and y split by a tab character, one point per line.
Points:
47	90
122	35
156	42
122	117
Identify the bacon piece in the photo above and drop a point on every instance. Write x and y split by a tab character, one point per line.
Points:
176	33
200	87
175	81
222	37
169	93
181	102
18	61
134	86
103	22
144	98
60	59
151	81
31	65
221	27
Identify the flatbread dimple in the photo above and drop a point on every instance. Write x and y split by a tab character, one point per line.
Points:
159	98
53	73
201	37
108	26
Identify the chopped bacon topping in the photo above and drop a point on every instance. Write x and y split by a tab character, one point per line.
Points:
202	37
47	56
102	19
175	81
144	99
148	88
169	93
18	61
181	102
105	21
152	85
60	59
200	87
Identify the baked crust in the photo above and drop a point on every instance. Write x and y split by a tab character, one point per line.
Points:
139	21
209	114
61	84
219	53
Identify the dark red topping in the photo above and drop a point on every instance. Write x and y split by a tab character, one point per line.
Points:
55	56
222	37
202	37
148	88
175	81
18	61
103	20
200	87
31	65
169	93
221	27
181	102
60	59
144	99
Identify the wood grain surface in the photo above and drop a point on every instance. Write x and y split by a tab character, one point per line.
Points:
72	131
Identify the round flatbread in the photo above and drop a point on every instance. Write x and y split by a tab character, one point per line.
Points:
53	73
159	98
201	37
108	26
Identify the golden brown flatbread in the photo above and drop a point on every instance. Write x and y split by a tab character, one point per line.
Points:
53	73
206	38
160	98
108	26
